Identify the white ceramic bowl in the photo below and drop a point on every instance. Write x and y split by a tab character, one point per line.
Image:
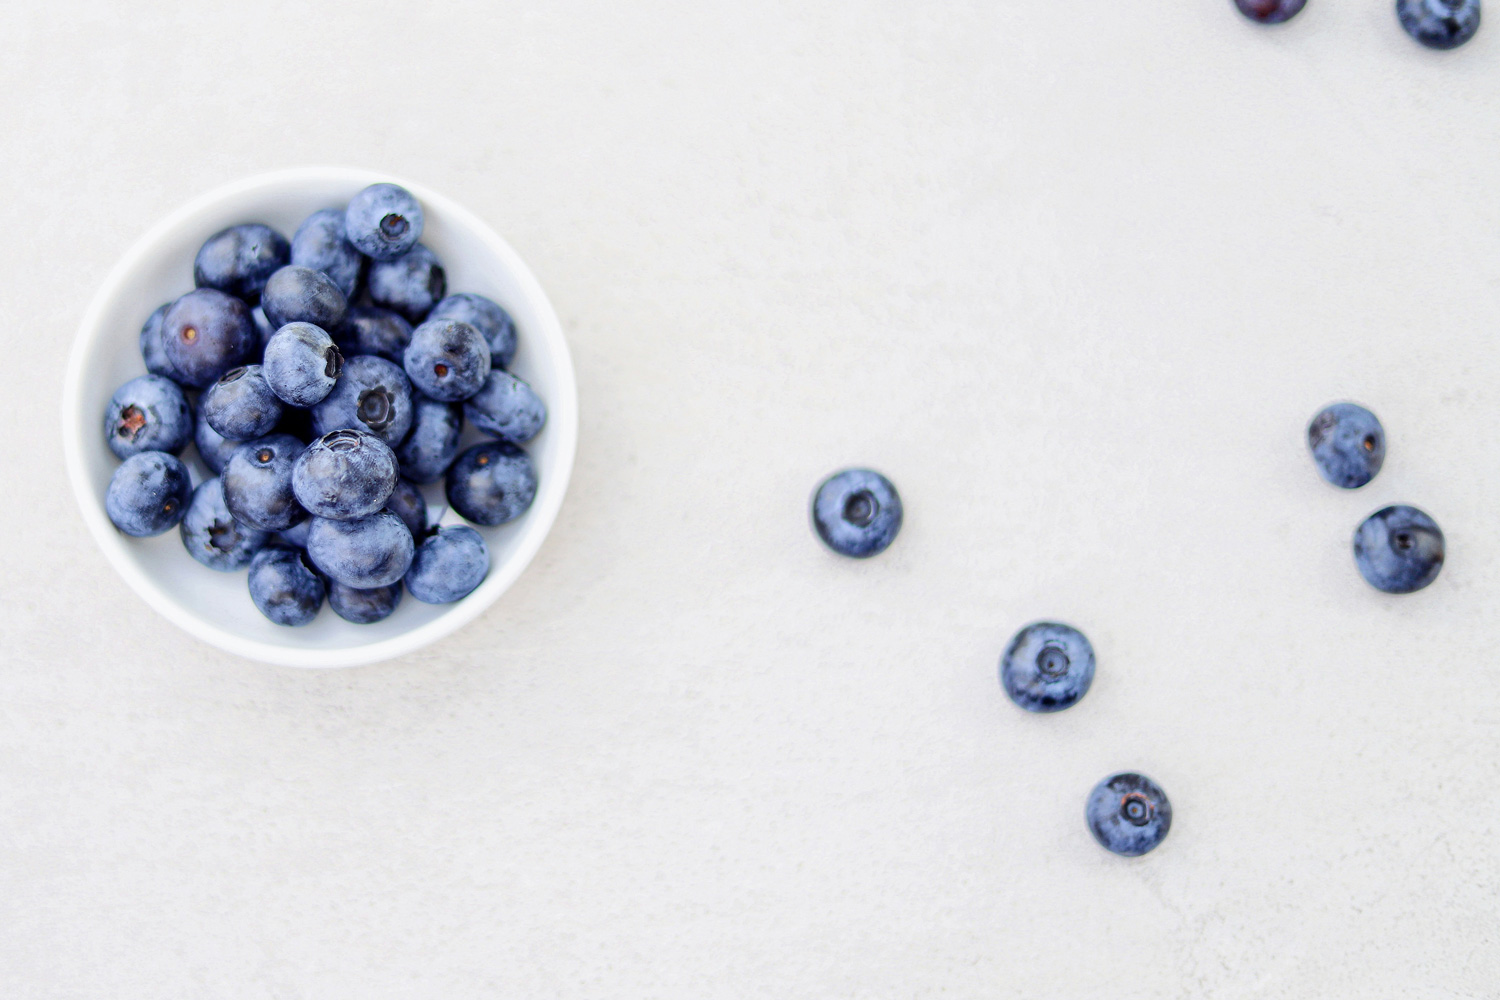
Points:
215	606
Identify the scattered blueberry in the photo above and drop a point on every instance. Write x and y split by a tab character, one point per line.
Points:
153	351
148	413
285	586
407	503
1270	11
363	607
345	474
212	535
372	330
1439	24
301	295
1398	549
383	221
491	483
484	315
857	513
362	552
319	243
214	448
1047	667
429	449
205	333
506	407
447	360
411	284
238	260
1348	444
1128	814
449	563
372	394
148	493
301	364
257	483
241	405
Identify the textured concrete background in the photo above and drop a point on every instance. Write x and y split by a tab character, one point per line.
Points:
1075	279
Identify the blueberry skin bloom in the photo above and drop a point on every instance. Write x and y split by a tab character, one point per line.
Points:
857	513
448	565
241	405
428	451
372	394
344	474
214	448
408	503
148	413
372	330
257	483
1398	549
1128	814
383	221
411	285
319	243
153	351
447	360
238	260
1347	443
212	535
1439	24
284	586
491	483
148	494
1047	667
301	295
205	333
362	552
363	607
1270	11
301	364
484	315
506	407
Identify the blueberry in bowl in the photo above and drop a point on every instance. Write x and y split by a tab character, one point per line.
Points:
257	483
204	334
447	360
241	405
239	260
148	413
302	365
410	284
371	394
344	474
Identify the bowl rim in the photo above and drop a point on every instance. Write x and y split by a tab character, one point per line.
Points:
562	418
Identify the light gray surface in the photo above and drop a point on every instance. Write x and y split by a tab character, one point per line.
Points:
1074	279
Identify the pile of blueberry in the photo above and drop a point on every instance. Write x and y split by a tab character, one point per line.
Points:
1437	24
335	375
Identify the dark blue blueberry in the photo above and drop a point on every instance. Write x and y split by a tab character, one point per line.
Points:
214	448
238	260
383	221
428	451
264	331
212	535
1128	814
1348	444
484	315
362	552
285	586
319	243
153	351
491	483
1270	11
301	364
148	493
205	333
447	360
449	563
372	394
258	483
411	285
857	512
241	405
506	407
1439	24
345	474
1398	549
408	503
296	535
148	413
363	607
1047	667
301	295
372	330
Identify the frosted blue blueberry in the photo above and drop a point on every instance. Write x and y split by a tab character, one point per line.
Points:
240	405
212	535
857	513
257	483
1347	443
507	408
285	586
239	260
486	316
383	221
411	284
446	360
1398	549
319	243
364	607
344	474
1439	24
1128	814
361	552
148	413
148	493
302	364
449	563
491	483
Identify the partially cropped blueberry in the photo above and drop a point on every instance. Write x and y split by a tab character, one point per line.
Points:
285	586
153	350
493	323
433	442
1128	814
148	413
1270	11
238	260
241	405
447	360
301	295
258	483
857	512
1348	444
383	221
214	448
1047	667
1398	549
364	607
362	552
372	330
344	474
411	284
302	364
449	563
1439	24
408	503
491	483
205	333
506	407
148	493
212	535
372	394
319	243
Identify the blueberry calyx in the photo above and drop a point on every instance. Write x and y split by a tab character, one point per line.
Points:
376	409
232	375
1051	661
342	440
1136	809
189	334
333	362
131	422
265	456
860	509
439	369
437	283
394	226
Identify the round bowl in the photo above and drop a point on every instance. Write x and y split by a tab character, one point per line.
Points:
216	606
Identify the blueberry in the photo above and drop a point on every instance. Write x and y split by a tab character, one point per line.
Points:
363	607
1398	549
411	284
1047	667
449	563
241	405
238	260
258	483
301	364
447	360
301	295
428	451
493	323
372	330
206	333
264	331
148	413
857	512
1348	444
1128	814
319	243
407	503
212	535
1270	11
362	552
214	448
506	407
345	474
383	221
148	493
1439	24
285	586
372	394
153	350
491	483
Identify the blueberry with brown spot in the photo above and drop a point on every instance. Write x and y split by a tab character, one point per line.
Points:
148	413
